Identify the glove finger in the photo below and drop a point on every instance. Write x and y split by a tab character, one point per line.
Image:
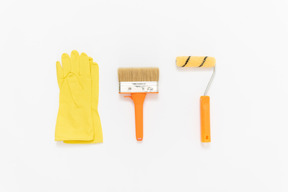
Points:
75	62
94	71
95	84
84	65
60	73
66	63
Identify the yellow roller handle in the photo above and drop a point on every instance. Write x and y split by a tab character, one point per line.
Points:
195	61
205	119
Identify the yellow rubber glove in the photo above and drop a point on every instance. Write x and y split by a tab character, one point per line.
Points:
98	135
74	120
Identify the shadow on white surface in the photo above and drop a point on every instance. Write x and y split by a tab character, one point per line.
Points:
205	145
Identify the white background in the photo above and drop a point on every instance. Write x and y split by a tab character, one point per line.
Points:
249	95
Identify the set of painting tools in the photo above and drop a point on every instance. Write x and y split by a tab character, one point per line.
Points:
78	119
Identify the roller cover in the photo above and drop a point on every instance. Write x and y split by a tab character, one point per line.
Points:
195	61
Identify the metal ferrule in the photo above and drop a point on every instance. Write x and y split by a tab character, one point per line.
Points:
138	87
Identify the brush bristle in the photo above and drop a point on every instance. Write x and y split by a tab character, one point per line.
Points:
138	74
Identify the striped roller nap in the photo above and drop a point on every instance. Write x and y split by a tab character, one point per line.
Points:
195	61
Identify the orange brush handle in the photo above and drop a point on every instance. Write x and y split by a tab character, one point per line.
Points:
205	119
138	99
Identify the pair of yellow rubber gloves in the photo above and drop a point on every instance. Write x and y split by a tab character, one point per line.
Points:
78	119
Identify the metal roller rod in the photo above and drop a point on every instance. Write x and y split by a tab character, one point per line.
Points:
210	82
